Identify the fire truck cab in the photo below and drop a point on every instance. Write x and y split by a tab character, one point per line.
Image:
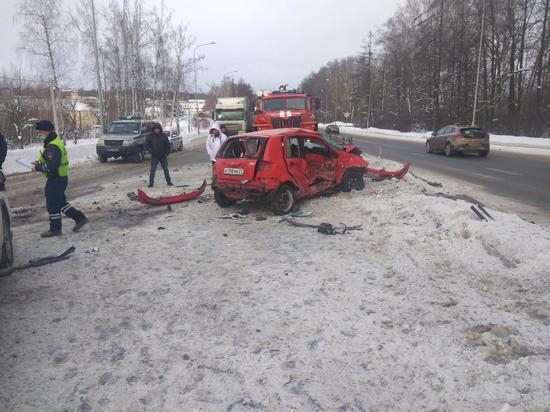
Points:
284	108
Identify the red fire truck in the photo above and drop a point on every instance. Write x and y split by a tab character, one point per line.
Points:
284	108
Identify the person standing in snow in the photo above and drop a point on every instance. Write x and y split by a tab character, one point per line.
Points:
214	141
53	162
158	144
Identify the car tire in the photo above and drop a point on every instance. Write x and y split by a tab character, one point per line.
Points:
483	154
352	179
448	150
7	246
181	147
139	156
102	159
222	200
283	200
429	147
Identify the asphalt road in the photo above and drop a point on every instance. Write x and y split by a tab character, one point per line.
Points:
26	189
523	178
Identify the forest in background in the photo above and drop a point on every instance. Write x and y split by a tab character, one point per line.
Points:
419	71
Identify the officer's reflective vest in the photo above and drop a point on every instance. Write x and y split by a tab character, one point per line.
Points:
64	166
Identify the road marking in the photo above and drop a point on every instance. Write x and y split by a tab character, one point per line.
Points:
503	171
419	154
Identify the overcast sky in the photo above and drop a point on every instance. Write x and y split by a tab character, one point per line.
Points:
269	42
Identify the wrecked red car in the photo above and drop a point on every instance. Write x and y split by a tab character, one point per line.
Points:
283	166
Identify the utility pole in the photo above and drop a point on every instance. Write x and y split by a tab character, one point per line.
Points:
478	65
96	53
54	106
370	80
195	70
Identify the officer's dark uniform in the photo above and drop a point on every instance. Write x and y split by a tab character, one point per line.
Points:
53	162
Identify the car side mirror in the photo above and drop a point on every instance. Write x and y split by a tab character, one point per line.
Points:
434	134
317	103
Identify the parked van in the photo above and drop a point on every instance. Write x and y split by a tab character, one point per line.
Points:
124	138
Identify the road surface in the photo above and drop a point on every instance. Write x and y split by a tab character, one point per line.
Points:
524	178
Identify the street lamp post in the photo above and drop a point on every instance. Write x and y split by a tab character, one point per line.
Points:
195	71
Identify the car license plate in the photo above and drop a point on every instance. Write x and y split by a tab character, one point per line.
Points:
233	171
111	149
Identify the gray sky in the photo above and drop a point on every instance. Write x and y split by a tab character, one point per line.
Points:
269	42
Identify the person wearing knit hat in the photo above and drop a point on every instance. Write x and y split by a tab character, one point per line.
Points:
53	163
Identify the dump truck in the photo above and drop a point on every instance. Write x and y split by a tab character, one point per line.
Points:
284	108
233	113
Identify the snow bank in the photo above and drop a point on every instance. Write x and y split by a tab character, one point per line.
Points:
426	308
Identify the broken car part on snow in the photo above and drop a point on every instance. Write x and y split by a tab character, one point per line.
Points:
166	200
479	214
324	228
39	262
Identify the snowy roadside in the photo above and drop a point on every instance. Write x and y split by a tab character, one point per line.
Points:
516	144
425	308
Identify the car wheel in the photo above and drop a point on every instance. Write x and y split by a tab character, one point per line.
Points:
7	246
483	154
102	159
283	200
181	147
221	199
448	150
428	147
139	156
352	179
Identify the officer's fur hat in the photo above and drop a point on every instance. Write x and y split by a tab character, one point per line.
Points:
45	126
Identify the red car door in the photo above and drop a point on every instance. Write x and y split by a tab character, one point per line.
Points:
320	164
296	163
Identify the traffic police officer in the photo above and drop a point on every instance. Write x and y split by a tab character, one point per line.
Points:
53	162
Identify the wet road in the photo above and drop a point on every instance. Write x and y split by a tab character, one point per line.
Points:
524	178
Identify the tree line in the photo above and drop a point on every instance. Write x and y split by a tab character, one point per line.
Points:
419	72
129	54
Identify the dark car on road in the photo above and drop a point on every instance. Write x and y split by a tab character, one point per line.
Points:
459	139
124	138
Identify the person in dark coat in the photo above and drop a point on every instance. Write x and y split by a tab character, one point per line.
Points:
158	144
3	149
53	162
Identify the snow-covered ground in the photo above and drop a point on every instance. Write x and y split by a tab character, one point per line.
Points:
425	308
518	144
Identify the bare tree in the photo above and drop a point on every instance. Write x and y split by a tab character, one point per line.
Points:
45	35
86	21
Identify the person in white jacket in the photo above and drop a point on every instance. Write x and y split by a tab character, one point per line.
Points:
214	141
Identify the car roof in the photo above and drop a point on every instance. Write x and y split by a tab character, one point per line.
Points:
279	132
